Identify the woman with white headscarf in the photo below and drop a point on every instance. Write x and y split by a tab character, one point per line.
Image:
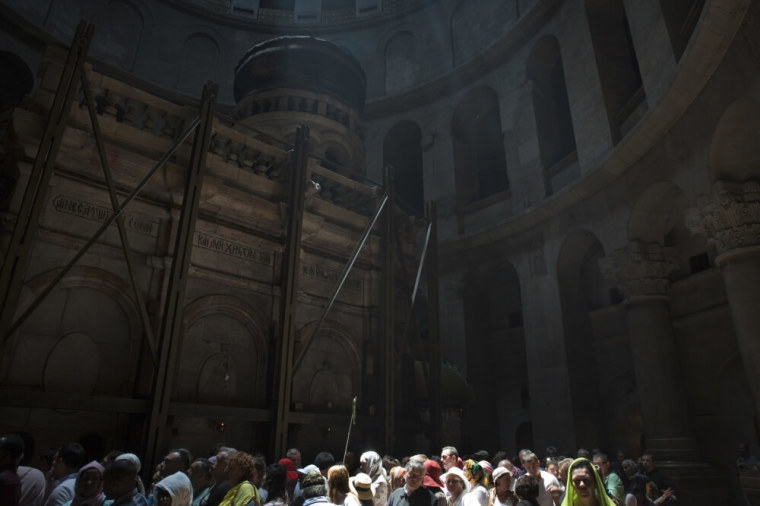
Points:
457	486
174	490
372	464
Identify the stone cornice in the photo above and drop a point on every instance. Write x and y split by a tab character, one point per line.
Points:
729	216
640	269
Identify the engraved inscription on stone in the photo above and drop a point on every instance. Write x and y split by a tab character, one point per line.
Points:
329	275
99	212
230	248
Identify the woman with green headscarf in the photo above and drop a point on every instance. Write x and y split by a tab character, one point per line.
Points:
584	486
476	475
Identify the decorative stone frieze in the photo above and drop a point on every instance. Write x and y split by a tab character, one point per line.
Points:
640	269
729	216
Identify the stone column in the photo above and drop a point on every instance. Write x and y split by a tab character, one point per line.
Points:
641	271
730	218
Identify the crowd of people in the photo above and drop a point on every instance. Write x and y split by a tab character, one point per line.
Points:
232	477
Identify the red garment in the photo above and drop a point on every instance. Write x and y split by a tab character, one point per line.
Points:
290	468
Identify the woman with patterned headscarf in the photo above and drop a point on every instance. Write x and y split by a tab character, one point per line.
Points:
584	486
476	475
372	464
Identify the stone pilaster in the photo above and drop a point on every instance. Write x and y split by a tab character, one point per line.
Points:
641	271
730	218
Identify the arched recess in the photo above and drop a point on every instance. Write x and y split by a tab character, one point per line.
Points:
583	290
329	375
616	64
89	322
495	348
554	123
224	353
198	62
120	34
402	148
479	161
681	18
735	147
400	62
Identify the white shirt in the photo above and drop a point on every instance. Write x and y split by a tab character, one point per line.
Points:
547	480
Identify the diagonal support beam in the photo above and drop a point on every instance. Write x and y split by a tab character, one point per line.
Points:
139	299
35	194
172	325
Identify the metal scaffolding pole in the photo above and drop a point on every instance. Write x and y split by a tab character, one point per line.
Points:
341	281
172	325
27	221
389	266
434	327
290	282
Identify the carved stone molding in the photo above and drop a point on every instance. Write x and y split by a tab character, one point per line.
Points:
640	269
729	216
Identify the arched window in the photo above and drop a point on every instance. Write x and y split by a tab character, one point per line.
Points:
402	149
616	63
479	159
582	290
554	122
200	54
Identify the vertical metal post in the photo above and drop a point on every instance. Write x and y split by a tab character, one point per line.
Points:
389	267
291	271
19	248
434	327
172	322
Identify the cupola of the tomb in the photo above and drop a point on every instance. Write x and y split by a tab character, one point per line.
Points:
283	82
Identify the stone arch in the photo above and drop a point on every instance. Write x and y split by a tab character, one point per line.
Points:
479	158
494	338
655	213
90	310
735	146
681	19
582	289
617	65
329	375
118	40
402	148
400	51
551	106
199	61
224	353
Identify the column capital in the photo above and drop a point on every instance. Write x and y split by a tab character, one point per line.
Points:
640	269
729	216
